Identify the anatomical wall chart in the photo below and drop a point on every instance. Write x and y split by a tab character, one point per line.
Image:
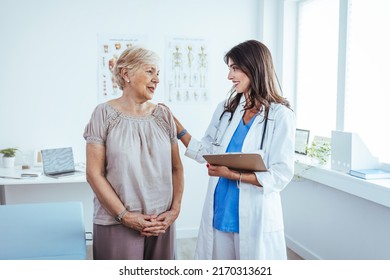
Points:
186	70
110	46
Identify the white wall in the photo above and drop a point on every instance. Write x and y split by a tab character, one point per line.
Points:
48	71
325	223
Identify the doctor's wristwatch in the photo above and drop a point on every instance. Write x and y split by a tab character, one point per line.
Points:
120	216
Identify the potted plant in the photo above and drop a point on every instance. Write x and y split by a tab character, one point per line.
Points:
319	151
8	157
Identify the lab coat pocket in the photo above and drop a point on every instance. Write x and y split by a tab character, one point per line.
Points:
272	213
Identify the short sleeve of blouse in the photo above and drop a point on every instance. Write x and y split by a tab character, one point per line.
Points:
96	129
167	117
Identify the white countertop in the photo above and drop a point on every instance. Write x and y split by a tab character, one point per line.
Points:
14	177
376	190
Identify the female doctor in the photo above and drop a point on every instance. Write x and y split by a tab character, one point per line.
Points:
242	214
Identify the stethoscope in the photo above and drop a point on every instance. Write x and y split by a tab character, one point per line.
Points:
218	138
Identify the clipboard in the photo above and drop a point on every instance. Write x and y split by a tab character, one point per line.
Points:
238	161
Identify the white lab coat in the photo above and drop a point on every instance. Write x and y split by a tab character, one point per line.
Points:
260	211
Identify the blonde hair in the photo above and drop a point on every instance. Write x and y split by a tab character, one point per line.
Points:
132	58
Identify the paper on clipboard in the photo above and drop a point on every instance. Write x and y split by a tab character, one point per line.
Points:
238	161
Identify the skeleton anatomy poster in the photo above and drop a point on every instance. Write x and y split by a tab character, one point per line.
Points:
110	46
186	72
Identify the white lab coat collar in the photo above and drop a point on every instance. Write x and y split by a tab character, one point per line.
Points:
232	126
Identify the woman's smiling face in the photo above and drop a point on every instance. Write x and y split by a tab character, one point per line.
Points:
144	80
240	80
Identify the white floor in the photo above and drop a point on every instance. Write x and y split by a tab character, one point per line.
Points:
186	248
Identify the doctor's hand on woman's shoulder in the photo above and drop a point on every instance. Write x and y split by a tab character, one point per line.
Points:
182	134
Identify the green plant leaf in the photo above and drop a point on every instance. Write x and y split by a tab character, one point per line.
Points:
9	152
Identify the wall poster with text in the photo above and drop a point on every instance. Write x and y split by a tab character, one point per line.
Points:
110	46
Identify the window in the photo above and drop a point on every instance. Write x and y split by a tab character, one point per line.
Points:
317	66
363	80
367	100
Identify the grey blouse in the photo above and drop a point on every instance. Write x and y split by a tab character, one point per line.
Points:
138	158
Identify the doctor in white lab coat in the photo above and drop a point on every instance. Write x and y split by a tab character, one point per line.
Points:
254	103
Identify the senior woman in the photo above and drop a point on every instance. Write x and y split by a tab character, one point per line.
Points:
134	166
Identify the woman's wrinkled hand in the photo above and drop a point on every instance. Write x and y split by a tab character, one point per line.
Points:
167	218
147	225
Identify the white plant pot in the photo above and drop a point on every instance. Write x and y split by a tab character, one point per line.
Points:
8	162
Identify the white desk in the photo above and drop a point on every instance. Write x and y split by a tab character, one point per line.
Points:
46	189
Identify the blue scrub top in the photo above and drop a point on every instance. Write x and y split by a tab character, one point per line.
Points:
227	193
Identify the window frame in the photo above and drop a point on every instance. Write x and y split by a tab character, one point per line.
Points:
291	17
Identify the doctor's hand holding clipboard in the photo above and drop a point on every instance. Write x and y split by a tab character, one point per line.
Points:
242	214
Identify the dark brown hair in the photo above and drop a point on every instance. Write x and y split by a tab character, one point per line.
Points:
255	60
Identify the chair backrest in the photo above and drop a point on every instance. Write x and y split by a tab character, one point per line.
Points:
42	231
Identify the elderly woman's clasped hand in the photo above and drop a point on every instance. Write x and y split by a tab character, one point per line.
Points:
147	225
